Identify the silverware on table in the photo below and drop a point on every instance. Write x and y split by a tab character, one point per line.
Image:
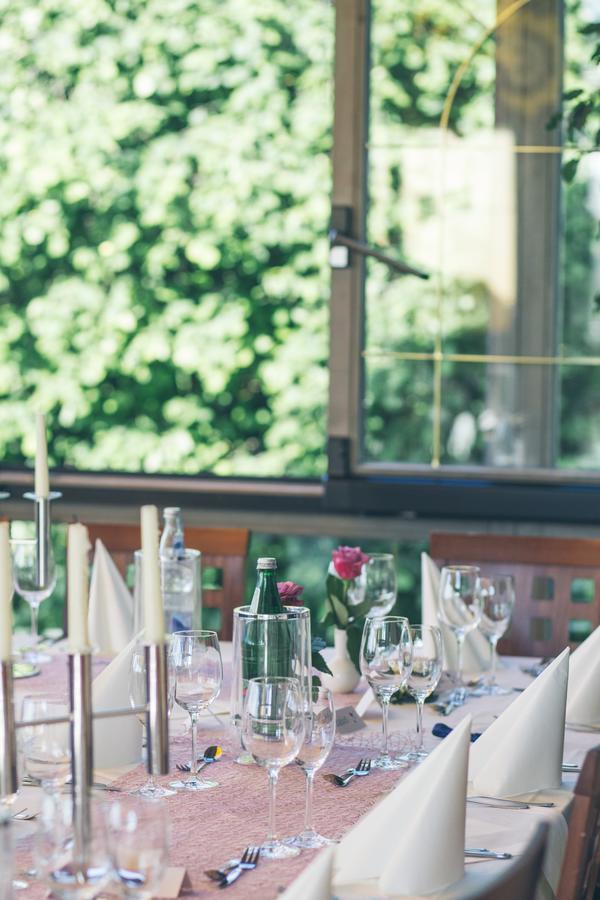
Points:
24	815
363	768
571	767
537	668
219	874
249	860
210	755
501	802
482	853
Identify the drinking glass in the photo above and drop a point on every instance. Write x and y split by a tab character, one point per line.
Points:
498	593
198	670
138	841
376	584
319	733
427	662
138	696
273	731
460	609
46	749
60	864
24	559
386	661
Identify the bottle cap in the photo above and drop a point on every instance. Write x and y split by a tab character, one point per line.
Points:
266	562
171	510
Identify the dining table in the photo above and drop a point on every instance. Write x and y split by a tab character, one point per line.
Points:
209	827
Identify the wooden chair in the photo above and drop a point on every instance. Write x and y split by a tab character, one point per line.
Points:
520	880
580	873
224	552
557	583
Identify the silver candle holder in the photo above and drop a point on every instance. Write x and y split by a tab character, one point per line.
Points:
42	535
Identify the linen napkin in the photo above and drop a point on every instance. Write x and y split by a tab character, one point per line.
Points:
110	616
522	750
476	649
583	695
426	810
315	881
117	742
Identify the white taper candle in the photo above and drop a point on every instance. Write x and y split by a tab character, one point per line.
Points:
154	626
42	486
6	592
78	587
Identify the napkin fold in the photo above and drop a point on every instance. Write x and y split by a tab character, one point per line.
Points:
117	742
583	695
315	881
522	750
110	616
426	810
476	649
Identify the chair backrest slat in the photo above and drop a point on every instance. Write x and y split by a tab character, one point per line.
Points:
580	873
520	880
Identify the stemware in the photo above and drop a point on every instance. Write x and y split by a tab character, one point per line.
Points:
427	662
460	609
273	730
46	748
386	661
24	559
138	697
198	671
498	593
378	582
319	734
138	841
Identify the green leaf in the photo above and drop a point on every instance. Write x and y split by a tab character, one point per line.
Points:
339	610
328	620
336	587
318	663
354	633
590	28
570	95
569	170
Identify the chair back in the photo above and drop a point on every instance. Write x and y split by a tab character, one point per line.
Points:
520	879
557	582
224	552
580	873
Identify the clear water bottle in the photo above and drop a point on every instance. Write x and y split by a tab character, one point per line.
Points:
177	573
172	543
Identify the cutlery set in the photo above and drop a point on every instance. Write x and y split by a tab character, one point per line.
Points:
210	755
363	768
233	868
501	803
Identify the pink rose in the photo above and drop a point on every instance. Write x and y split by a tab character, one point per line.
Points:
290	592
348	562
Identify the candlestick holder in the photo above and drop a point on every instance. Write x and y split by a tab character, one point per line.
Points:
9	781
42	535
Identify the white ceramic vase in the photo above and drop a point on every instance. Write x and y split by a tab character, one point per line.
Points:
344	677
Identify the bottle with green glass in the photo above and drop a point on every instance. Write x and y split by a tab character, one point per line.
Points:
266	648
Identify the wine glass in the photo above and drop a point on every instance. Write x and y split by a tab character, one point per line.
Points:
138	841
198	670
460	609
273	731
379	578
385	661
25	580
319	733
427	662
60	864
138	696
46	748
498	592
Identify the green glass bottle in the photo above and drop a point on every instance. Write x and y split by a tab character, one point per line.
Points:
267	643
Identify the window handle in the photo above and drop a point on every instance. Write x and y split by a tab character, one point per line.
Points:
337	239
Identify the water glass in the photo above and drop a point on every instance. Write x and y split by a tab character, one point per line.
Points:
138	696
319	734
427	662
196	665
498	593
138	841
46	749
25	581
273	724
386	662
376	584
460	609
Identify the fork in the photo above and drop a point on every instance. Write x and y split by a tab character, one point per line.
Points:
249	860
363	768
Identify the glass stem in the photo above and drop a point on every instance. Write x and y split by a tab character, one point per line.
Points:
385	705
34	625
460	640
494	643
194	766
272	835
419	725
308	812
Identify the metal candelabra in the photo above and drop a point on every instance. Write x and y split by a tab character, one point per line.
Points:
42	535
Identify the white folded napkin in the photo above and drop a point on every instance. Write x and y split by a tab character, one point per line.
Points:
522	750
315	881
117	742
583	695
110	616
425	812
476	649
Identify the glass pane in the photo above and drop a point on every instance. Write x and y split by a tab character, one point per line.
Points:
397	392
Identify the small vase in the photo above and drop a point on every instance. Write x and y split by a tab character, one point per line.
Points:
344	677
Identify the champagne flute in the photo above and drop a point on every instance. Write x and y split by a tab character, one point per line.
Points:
319	733
273	731
426	670
498	592
460	609
138	841
25	580
386	661
198	670
138	696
